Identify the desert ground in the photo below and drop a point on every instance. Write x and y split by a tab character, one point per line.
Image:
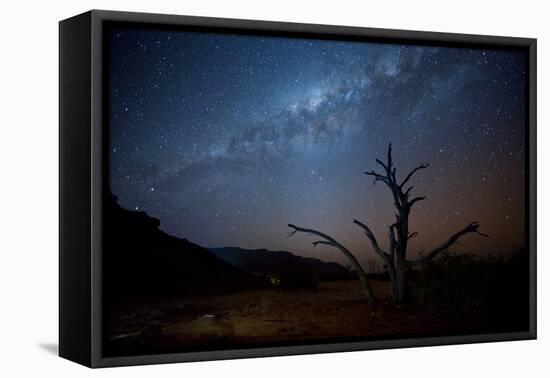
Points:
335	311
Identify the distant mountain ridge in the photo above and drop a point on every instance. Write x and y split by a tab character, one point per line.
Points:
281	263
140	259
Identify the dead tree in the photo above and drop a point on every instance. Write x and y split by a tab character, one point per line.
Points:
395	257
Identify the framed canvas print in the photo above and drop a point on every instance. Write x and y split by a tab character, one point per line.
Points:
234	188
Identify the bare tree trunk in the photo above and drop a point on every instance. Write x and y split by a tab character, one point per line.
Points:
402	226
393	282
396	259
399	286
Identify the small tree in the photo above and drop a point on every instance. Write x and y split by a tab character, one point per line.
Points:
395	258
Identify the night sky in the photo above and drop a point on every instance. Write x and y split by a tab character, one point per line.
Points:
227	138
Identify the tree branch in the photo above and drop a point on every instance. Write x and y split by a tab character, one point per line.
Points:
321	242
416	199
328	240
382	164
471	228
413	235
421	166
393	175
378	177
372	239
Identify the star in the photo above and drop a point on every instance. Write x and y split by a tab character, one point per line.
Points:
252	133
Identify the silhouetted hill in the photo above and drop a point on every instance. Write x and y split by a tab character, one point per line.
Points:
282	263
139	259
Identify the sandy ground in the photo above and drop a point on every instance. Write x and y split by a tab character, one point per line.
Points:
335	311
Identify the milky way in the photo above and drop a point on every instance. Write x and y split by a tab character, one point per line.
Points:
227	138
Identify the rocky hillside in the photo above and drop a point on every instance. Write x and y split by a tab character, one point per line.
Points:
139	259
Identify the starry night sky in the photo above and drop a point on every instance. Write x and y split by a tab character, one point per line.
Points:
227	138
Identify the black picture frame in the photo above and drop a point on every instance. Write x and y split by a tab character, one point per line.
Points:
83	174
